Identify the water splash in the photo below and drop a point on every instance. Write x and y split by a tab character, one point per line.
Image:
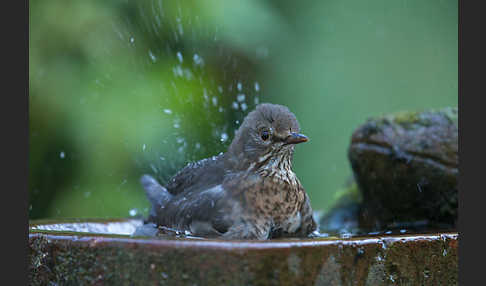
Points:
224	137
133	212
179	57
198	60
152	56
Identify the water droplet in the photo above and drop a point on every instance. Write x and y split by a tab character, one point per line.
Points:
257	87
87	194
240	97
220	89
62	155
144	147
244	106
152	56
177	71
257	100
154	169
132	39
133	212
444	253
224	137
177	123
383	244
345	235
239	86
215	100
198	145
179	57
419	188
403	230
188	74
198	60
167	111
234	105
237	122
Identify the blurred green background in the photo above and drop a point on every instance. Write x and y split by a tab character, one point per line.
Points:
122	88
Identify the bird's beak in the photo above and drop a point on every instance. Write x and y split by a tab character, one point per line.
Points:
295	138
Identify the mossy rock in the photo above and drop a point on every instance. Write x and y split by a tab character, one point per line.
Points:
406	167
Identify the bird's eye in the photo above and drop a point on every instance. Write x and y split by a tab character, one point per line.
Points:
265	135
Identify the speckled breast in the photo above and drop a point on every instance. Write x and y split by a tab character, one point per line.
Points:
278	200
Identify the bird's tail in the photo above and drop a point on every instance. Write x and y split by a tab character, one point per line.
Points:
156	194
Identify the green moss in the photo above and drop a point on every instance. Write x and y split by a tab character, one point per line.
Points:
406	117
348	194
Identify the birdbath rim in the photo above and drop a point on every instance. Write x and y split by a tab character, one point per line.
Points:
97	229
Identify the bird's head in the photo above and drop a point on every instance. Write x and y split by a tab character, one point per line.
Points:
266	138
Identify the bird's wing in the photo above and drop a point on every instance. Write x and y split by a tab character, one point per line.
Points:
200	175
200	212
209	212
308	224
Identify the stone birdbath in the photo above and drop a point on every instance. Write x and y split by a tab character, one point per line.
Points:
103	252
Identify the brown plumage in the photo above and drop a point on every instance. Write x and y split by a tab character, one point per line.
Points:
249	192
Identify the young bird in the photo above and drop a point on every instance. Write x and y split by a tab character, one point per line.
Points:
249	192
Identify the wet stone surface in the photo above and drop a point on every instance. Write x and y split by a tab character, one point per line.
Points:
406	168
81	258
